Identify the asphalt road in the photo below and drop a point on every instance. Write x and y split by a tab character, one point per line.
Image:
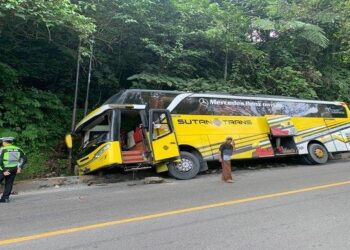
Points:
295	207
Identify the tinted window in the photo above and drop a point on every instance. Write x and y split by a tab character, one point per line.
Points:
159	100
240	107
235	107
194	106
335	111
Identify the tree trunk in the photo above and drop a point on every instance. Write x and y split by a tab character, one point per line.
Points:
226	64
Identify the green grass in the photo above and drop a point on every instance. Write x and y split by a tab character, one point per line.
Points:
42	163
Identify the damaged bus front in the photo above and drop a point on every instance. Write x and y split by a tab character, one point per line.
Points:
127	136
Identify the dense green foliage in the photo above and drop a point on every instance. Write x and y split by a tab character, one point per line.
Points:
284	47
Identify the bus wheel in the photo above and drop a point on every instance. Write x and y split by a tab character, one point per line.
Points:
187	169
317	154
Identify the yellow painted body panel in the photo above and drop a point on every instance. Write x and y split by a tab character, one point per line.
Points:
207	132
313	126
213	124
200	142
165	147
110	156
338	135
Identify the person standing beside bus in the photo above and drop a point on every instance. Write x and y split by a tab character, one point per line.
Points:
12	160
226	151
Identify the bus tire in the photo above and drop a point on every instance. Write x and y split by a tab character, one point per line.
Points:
318	154
187	169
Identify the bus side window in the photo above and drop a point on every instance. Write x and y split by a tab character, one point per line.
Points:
193	106
323	111
160	125
326	114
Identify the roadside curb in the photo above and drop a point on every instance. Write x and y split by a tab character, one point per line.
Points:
69	181
38	184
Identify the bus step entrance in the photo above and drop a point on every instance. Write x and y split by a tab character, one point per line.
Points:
133	156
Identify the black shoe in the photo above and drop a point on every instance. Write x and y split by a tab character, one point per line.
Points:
4	200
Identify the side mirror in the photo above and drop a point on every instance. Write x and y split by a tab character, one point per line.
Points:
69	141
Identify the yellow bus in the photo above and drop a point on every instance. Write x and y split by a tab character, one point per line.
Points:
180	132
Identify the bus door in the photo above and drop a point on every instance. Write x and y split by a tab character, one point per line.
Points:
162	136
282	133
339	139
133	143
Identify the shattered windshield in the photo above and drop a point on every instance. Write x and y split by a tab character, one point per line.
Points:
97	134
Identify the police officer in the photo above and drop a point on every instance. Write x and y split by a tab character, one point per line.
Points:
12	160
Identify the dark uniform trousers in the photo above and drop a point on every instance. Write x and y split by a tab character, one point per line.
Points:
8	182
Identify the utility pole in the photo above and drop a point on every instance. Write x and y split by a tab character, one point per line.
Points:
89	80
75	104
76	88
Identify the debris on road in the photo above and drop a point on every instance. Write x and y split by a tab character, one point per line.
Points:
153	180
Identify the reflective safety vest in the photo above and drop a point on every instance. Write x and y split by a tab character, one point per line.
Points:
10	156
